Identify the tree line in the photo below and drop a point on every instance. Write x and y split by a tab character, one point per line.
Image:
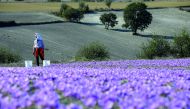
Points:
136	16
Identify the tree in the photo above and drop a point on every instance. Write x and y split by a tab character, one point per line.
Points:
63	8
83	7
73	15
108	20
181	45
108	3
70	14
137	17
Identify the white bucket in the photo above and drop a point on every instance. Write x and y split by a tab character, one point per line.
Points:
46	63
28	63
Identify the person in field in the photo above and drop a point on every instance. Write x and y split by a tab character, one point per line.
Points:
38	48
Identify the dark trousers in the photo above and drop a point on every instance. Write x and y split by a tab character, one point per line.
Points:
37	60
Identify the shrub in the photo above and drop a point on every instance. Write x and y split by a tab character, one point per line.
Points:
101	9
108	20
73	15
6	56
157	47
83	7
181	45
137	17
93	51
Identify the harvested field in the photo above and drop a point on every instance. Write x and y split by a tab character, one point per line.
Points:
62	40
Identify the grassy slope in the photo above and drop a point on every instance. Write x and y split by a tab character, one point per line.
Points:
49	7
64	39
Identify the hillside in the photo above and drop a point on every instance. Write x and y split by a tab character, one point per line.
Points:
62	40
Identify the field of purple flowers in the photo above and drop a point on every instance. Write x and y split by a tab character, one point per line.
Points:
125	84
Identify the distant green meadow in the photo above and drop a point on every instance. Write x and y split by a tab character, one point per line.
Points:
52	7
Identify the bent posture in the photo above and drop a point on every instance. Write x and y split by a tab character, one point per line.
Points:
38	48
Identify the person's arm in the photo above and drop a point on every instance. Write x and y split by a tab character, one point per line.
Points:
33	50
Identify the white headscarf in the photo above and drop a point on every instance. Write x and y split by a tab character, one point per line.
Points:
38	36
38	42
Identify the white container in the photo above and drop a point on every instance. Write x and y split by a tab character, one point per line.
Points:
46	63
28	63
